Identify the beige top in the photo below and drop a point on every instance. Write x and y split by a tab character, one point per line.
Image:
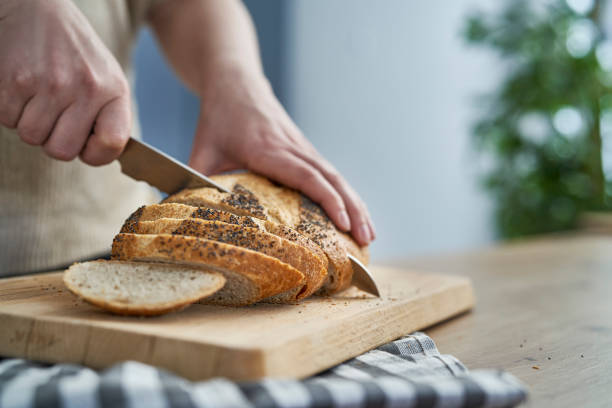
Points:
53	212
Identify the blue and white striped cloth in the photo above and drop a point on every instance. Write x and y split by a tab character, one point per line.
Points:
409	372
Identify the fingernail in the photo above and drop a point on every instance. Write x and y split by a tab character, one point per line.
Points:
344	221
364	233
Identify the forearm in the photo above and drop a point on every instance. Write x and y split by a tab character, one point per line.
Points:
203	37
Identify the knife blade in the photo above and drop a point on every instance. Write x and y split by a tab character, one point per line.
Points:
143	162
362	278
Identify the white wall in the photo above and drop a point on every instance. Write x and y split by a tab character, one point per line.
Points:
385	90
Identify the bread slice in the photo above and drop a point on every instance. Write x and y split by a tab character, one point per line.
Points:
143	289
181	211
312	266
255	196
250	276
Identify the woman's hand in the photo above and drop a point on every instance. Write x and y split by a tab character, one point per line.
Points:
243	126
60	87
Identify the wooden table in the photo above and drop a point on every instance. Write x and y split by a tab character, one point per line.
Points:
543	312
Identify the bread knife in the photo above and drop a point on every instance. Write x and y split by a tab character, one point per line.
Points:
144	162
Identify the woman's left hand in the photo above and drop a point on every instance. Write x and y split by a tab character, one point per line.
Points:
243	126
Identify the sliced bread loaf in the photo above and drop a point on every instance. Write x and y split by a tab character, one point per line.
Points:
181	211
137	288
255	196
250	276
312	266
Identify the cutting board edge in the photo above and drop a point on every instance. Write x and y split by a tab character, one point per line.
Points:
173	354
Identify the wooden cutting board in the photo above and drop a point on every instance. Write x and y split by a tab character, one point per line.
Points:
41	320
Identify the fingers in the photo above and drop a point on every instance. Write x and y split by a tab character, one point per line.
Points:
38	118
63	131
15	93
362	227
361	224
111	132
372	228
363	230
70	132
296	173
10	113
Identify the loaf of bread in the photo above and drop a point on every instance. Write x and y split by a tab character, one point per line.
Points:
259	243
143	289
250	276
255	196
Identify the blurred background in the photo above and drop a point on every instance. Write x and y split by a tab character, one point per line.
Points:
458	122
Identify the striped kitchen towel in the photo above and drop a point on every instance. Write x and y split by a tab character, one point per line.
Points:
409	372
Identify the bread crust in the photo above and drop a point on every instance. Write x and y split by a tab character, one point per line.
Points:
268	275
127	309
301	258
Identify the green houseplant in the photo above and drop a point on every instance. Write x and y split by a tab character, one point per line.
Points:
547	128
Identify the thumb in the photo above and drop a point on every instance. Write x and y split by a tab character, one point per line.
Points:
208	160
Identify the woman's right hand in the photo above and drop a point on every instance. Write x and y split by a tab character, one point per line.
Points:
60	87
